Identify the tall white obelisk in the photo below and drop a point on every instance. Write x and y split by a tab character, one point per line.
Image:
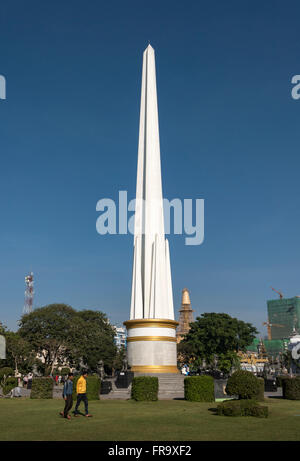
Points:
151	341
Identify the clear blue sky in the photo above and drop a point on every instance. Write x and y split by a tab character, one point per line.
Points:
230	133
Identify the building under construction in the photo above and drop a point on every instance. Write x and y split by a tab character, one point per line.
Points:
283	317
273	347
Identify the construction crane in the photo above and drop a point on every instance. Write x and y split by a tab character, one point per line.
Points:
269	325
278	292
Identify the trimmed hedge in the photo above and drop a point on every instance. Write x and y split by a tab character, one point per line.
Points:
291	388
93	386
246	407
280	379
244	384
232	408
42	388
199	388
261	391
144	388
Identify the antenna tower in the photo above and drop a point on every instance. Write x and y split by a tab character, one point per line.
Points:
29	292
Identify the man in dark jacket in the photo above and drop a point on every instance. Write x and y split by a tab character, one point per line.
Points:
67	395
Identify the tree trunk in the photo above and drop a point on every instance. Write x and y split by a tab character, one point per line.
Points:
16	367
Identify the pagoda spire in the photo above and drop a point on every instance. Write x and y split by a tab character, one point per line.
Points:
186	315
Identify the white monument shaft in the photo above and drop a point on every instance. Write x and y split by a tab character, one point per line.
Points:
152	310
151	283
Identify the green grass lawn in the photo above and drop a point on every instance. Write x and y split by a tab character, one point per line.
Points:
117	420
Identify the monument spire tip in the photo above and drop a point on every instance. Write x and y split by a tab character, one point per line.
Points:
149	46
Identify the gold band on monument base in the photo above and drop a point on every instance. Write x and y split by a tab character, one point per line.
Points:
151	338
154	369
151	323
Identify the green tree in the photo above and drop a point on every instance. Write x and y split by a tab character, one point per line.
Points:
214	337
97	343
186	355
59	335
118	362
52	332
19	355
227	361
19	352
3	329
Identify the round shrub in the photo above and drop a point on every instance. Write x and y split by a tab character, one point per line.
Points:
291	388
6	371
42	388
199	389
244	384
93	385
10	383
144	388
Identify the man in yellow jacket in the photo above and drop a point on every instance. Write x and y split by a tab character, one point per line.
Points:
81	394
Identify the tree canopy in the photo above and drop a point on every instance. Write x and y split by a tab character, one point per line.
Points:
59	334
97	342
19	353
215	335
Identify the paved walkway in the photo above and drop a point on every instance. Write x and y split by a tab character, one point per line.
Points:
274	394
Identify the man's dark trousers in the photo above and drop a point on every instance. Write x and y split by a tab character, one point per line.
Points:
68	405
81	397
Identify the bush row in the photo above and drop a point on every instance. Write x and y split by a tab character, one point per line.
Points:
196	388
201	388
42	388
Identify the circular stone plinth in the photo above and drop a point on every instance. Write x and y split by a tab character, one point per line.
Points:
151	345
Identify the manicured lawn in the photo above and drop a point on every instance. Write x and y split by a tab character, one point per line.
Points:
25	419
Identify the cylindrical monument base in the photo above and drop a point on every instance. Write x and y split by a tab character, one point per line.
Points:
151	345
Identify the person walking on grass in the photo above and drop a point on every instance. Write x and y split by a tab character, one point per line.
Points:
67	395
81	394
